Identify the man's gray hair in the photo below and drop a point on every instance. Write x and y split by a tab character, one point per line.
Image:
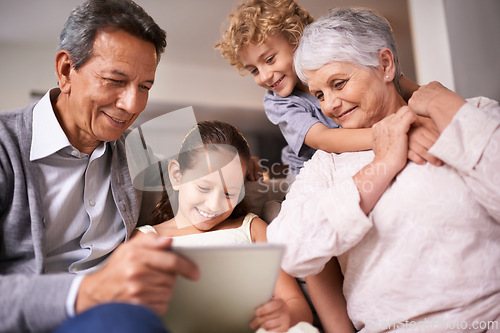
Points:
353	35
79	31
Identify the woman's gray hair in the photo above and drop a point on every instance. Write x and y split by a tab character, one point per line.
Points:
79	31
354	35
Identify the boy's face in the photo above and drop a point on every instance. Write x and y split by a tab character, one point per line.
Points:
271	64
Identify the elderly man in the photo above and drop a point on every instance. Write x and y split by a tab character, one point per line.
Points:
67	201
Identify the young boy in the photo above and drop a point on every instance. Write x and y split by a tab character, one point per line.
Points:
261	39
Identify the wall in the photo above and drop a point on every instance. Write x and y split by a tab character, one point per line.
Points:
456	42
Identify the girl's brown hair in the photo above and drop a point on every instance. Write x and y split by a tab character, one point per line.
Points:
212	133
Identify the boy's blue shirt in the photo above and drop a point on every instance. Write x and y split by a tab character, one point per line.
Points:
295	114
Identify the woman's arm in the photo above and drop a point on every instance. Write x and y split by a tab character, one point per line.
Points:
469	140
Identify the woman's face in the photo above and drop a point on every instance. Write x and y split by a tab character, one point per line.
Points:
352	96
209	199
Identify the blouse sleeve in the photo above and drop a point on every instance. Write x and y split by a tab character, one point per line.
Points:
471	144
319	218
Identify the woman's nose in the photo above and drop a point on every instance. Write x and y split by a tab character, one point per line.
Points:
330	105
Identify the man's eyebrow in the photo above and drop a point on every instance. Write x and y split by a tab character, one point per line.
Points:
114	71
117	72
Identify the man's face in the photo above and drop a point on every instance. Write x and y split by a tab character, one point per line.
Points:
110	90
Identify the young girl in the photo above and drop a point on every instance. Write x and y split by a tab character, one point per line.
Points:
261	39
207	190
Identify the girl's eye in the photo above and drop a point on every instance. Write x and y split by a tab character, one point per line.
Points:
229	195
339	84
203	188
270	60
254	71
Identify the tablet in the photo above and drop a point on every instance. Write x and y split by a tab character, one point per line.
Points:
234	281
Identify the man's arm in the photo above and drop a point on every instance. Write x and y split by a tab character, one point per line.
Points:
33	302
142	271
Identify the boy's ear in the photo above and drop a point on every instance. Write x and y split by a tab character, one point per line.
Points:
386	59
174	174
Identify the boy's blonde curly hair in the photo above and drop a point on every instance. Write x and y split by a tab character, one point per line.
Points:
255	20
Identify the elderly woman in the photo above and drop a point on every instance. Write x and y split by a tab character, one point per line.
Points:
418	245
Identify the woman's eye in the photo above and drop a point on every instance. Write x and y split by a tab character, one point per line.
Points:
319	96
339	84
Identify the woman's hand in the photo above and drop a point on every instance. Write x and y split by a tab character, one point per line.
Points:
273	316
390	145
390	139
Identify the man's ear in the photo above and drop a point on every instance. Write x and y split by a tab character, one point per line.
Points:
63	71
386	60
174	174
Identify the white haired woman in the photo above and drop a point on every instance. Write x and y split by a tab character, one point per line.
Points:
418	245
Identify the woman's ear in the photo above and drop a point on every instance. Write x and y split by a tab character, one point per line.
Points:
63	71
386	60
174	174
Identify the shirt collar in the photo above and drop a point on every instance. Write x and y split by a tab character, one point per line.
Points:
48	136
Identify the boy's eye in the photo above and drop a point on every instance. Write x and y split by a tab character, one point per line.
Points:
270	60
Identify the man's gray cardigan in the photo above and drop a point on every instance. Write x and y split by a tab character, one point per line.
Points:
29	299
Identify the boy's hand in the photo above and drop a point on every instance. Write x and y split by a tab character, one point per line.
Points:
422	135
272	316
254	169
437	102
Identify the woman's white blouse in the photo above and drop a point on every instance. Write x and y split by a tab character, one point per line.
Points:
430	248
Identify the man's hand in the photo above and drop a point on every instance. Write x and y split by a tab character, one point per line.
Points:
142	271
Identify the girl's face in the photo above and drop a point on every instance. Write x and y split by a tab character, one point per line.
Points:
271	64
207	200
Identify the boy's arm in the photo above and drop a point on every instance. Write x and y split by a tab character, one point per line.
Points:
422	136
338	140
